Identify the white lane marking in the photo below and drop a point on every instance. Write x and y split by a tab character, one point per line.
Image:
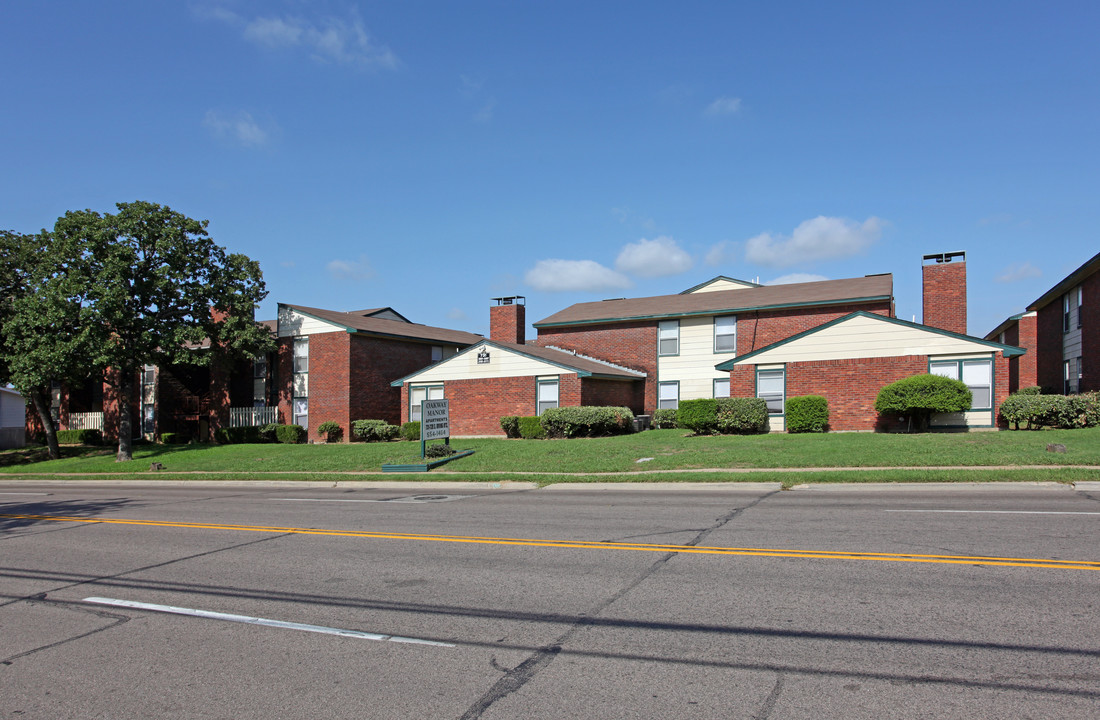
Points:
249	620
412	500
1000	512
19	493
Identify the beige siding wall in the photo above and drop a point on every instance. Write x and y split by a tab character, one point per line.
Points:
292	323
502	363
722	285
693	368
864	337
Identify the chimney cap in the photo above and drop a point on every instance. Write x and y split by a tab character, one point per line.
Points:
945	257
511	300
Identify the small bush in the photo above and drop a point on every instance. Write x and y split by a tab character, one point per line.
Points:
375	430
267	432
331	430
290	434
237	435
439	450
587	421
664	418
699	416
1078	411
808	413
1033	410
175	438
79	437
1033	390
742	416
922	396
510	425
530	428
411	430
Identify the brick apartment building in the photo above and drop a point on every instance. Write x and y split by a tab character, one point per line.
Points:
836	338
1061	331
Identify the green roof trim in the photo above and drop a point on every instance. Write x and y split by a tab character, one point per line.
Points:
1008	350
719	311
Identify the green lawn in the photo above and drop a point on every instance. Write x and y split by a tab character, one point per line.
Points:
670	451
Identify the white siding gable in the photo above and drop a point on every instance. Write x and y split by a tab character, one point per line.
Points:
723	284
502	363
293	323
866	337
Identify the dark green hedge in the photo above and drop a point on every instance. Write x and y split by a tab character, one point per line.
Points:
290	434
742	416
586	421
664	418
510	425
922	396
238	435
1062	411
530	428
79	437
807	413
375	430
331	430
411	430
699	416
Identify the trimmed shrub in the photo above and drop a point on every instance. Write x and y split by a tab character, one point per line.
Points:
267	432
1032	410
510	425
331	430
742	416
1078	411
439	450
1033	390
699	416
290	434
375	430
587	421
922	396
807	413
79	437
530	428
411	430
664	418
174	438
237	435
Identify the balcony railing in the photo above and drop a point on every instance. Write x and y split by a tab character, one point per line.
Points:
86	421
250	416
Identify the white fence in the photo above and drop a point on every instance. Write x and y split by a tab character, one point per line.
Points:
86	421
251	416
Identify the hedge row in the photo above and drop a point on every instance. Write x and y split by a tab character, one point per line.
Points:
374	430
79	437
1061	411
588	421
723	415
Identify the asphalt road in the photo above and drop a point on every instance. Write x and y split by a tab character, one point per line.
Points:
567	602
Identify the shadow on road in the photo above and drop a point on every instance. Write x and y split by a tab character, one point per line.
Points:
55	508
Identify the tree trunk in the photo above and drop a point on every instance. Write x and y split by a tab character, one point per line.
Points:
42	405
125	422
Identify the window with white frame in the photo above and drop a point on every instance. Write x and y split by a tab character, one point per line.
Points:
976	374
418	395
301	354
1080	301
668	395
722	387
668	337
771	388
148	399
725	334
547	395
259	381
300	409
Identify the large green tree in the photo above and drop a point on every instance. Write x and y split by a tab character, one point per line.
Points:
155	278
47	331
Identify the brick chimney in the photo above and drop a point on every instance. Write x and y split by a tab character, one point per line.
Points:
944	291
507	319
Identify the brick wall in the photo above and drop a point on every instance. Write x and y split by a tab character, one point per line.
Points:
634	344
851	386
1048	337
507	323
613	393
375	363
1090	333
477	405
1023	369
329	381
944	296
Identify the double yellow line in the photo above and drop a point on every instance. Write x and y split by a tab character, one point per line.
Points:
599	545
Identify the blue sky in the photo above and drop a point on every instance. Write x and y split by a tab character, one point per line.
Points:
432	155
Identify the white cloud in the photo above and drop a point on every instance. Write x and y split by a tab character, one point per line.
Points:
354	270
239	127
574	275
343	41
1019	271
796	278
822	238
653	258
457	314
721	253
724	106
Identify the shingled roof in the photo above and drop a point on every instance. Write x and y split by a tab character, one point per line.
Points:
357	322
873	288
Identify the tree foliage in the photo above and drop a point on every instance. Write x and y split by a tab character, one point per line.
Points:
921	396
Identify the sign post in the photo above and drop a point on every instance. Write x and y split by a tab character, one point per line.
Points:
435	422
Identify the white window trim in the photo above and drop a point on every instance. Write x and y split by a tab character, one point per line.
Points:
661	327
660	399
732	334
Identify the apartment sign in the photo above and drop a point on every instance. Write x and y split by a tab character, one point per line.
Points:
435	420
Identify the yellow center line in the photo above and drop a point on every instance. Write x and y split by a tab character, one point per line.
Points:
599	545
